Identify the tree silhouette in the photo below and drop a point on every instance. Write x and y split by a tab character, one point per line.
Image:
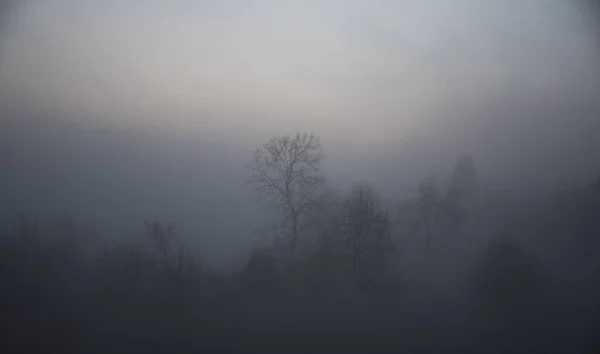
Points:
365	231
175	257
463	189
286	171
507	280
261	273
430	208
449	210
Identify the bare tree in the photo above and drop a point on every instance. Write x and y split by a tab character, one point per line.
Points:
26	229
366	233
430	208
464	184
286	170
162	238
175	257
448	209
462	192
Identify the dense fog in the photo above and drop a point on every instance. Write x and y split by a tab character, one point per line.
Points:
250	176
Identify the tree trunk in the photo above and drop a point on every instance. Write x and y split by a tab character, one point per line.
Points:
294	237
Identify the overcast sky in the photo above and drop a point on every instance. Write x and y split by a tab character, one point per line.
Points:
396	89
367	70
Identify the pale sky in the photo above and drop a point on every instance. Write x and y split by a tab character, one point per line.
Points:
366	70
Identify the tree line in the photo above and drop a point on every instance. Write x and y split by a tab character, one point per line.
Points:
337	263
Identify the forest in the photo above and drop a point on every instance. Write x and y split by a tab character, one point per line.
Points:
457	268
305	176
